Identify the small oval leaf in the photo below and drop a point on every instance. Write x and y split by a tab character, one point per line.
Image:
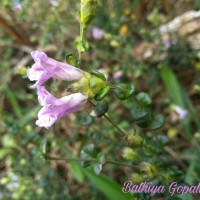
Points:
98	74
71	59
157	122
102	93
144	99
125	90
100	109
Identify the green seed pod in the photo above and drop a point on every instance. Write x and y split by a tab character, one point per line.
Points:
134	140
130	154
148	170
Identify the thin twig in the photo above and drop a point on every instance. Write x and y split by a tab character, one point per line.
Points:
93	160
108	119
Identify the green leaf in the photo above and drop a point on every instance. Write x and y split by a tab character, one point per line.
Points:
90	149
124	90
11	95
100	109
189	178
81	45
29	116
102	93
157	122
97	168
139	112
85	156
107	186
76	171
101	159
98	74
144	99
143	122
71	59
84	119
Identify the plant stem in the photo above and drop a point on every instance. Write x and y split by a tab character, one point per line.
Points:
94	160
113	123
121	163
82	30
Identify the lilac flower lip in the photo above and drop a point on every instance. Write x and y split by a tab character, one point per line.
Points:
46	68
52	107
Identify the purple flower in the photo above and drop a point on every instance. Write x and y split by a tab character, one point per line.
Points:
169	43
45	68
53	2
53	108
17	6
180	111
117	74
97	33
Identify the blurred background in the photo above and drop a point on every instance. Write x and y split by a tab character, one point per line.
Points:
154	44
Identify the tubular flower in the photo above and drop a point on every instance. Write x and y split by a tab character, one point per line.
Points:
85	86
46	68
53	108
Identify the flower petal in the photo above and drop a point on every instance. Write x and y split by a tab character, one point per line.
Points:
53	108
45	68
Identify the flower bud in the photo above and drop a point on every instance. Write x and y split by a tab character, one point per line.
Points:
148	170
130	154
136	178
134	140
89	85
88	10
114	43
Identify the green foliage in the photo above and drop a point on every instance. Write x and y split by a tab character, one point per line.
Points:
125	90
81	45
72	60
107	186
98	74
100	109
102	93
